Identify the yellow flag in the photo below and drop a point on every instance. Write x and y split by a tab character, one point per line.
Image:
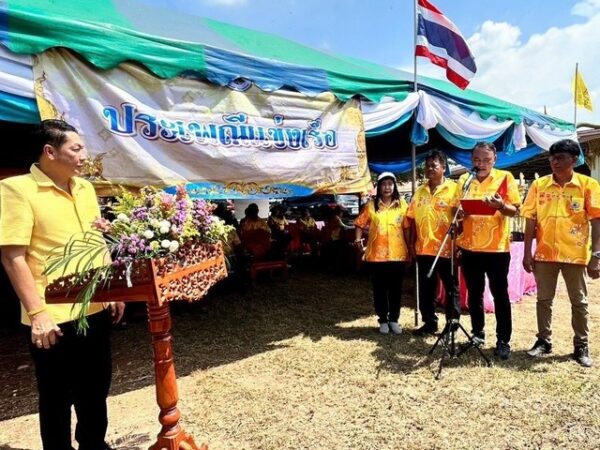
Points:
582	95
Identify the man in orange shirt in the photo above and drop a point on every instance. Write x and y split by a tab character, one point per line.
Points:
429	217
559	208
484	244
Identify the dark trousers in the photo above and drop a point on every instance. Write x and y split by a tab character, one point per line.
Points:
75	371
495	265
387	289
428	288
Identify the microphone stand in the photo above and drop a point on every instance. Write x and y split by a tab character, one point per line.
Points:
447	338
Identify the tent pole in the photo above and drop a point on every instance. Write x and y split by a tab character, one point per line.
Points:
575	96
413	158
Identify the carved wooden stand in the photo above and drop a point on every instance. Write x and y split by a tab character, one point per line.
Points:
188	276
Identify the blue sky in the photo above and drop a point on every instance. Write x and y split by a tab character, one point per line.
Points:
525	49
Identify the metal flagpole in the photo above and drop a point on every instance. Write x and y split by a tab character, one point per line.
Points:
575	96
413	158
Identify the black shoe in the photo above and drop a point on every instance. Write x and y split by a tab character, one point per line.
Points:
478	339
425	330
582	356
502	350
541	347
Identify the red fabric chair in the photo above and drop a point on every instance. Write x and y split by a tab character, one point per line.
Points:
258	244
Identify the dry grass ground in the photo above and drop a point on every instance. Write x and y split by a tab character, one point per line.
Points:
299	365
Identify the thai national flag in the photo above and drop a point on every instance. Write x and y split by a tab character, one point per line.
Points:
439	40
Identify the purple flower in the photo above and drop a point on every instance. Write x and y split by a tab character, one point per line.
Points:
140	213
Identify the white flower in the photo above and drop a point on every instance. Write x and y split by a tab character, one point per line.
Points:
165	243
173	246
154	223
164	226
123	217
148	234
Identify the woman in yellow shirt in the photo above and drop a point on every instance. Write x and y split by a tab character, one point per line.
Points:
386	250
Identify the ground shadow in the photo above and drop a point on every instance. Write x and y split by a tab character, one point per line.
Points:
230	325
224	328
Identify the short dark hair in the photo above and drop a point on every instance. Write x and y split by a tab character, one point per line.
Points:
565	146
485	146
440	155
53	132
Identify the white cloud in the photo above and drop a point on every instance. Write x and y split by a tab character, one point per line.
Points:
586	8
540	71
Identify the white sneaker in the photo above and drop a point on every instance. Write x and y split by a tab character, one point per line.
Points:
384	328
396	329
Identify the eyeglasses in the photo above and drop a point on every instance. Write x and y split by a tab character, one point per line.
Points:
560	157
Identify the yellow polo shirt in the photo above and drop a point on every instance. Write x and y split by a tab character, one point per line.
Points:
432	214
386	238
253	224
37	214
488	233
307	224
278	223
563	215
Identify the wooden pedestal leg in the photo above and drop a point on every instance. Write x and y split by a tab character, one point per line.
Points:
171	436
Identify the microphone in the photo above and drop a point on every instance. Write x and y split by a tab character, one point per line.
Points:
472	174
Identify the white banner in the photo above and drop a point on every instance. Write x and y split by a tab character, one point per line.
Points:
141	130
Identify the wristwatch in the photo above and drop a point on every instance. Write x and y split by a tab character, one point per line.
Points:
596	255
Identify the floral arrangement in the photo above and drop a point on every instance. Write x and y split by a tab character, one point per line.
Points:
150	224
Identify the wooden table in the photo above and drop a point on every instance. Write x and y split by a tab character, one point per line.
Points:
157	282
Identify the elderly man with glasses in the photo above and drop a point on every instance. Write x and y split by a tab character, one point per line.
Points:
485	243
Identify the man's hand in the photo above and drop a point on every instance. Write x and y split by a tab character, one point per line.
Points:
593	268
44	332
495	201
528	263
116	311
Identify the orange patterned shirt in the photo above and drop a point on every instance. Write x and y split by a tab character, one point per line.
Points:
488	233
563	215
386	236
432	214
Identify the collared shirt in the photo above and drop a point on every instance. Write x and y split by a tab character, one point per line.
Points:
488	233
307	224
562	215
432	214
248	224
278	223
36	213
386	237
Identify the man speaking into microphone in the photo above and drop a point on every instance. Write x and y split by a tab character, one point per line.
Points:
484	242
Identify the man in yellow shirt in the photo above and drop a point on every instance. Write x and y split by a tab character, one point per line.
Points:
559	209
484	244
429	217
39	212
